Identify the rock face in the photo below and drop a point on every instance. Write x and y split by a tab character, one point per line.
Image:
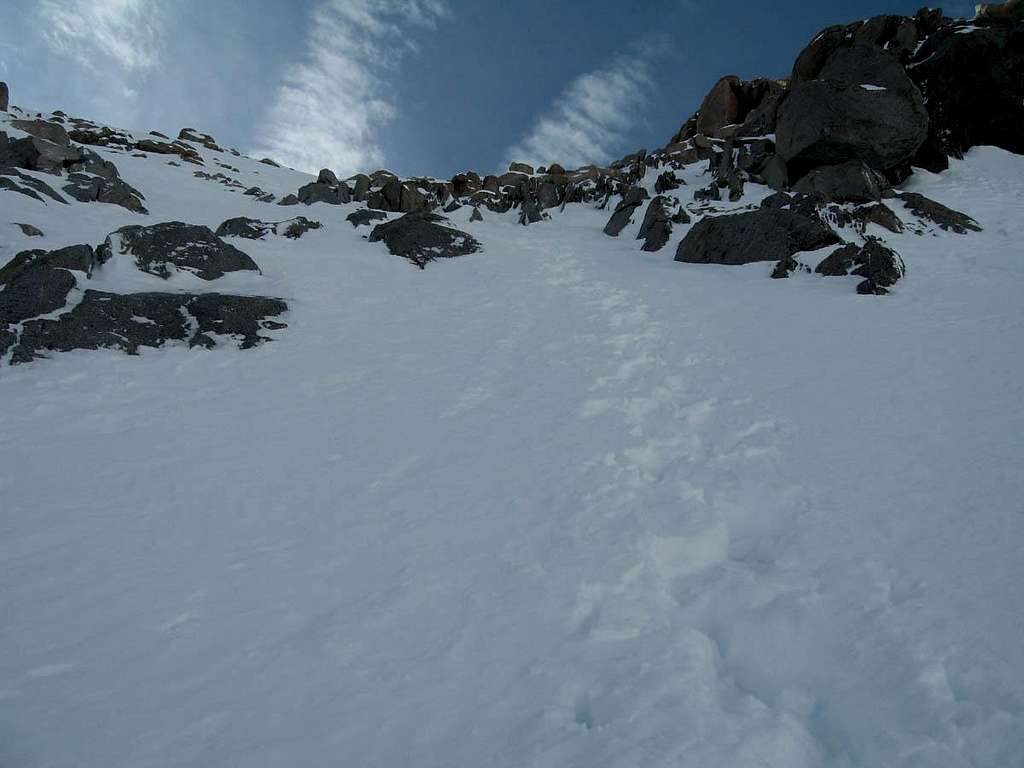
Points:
5	96
861	107
768	234
421	238
174	246
974	83
254	229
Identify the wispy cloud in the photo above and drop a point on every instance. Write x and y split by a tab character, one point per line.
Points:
591	117
332	105
99	33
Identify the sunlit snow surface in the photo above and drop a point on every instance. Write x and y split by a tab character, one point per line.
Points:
559	503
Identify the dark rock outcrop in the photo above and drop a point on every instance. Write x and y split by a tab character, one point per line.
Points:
365	216
182	150
134	320
398	197
768	234
28	230
851	182
27	185
421	238
161	249
5	96
945	218
666	182
191	134
95	179
656	228
879	265
38	282
734	107
336	193
632	199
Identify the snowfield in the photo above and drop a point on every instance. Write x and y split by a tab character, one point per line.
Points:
559	503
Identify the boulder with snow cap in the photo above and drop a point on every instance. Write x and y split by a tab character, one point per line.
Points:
421	237
173	246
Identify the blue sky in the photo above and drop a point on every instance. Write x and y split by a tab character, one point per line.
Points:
417	86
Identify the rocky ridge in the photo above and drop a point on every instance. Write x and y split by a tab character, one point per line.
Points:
864	105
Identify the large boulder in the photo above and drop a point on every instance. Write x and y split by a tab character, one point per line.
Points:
420	237
862	106
173	246
768	234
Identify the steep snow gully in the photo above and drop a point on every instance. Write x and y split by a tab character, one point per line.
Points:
562	496
559	503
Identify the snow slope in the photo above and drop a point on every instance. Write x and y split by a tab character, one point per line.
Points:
560	503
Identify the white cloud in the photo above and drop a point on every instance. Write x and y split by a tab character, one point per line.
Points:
332	105
592	116
97	33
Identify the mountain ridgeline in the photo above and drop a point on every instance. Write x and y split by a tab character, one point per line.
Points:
788	168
